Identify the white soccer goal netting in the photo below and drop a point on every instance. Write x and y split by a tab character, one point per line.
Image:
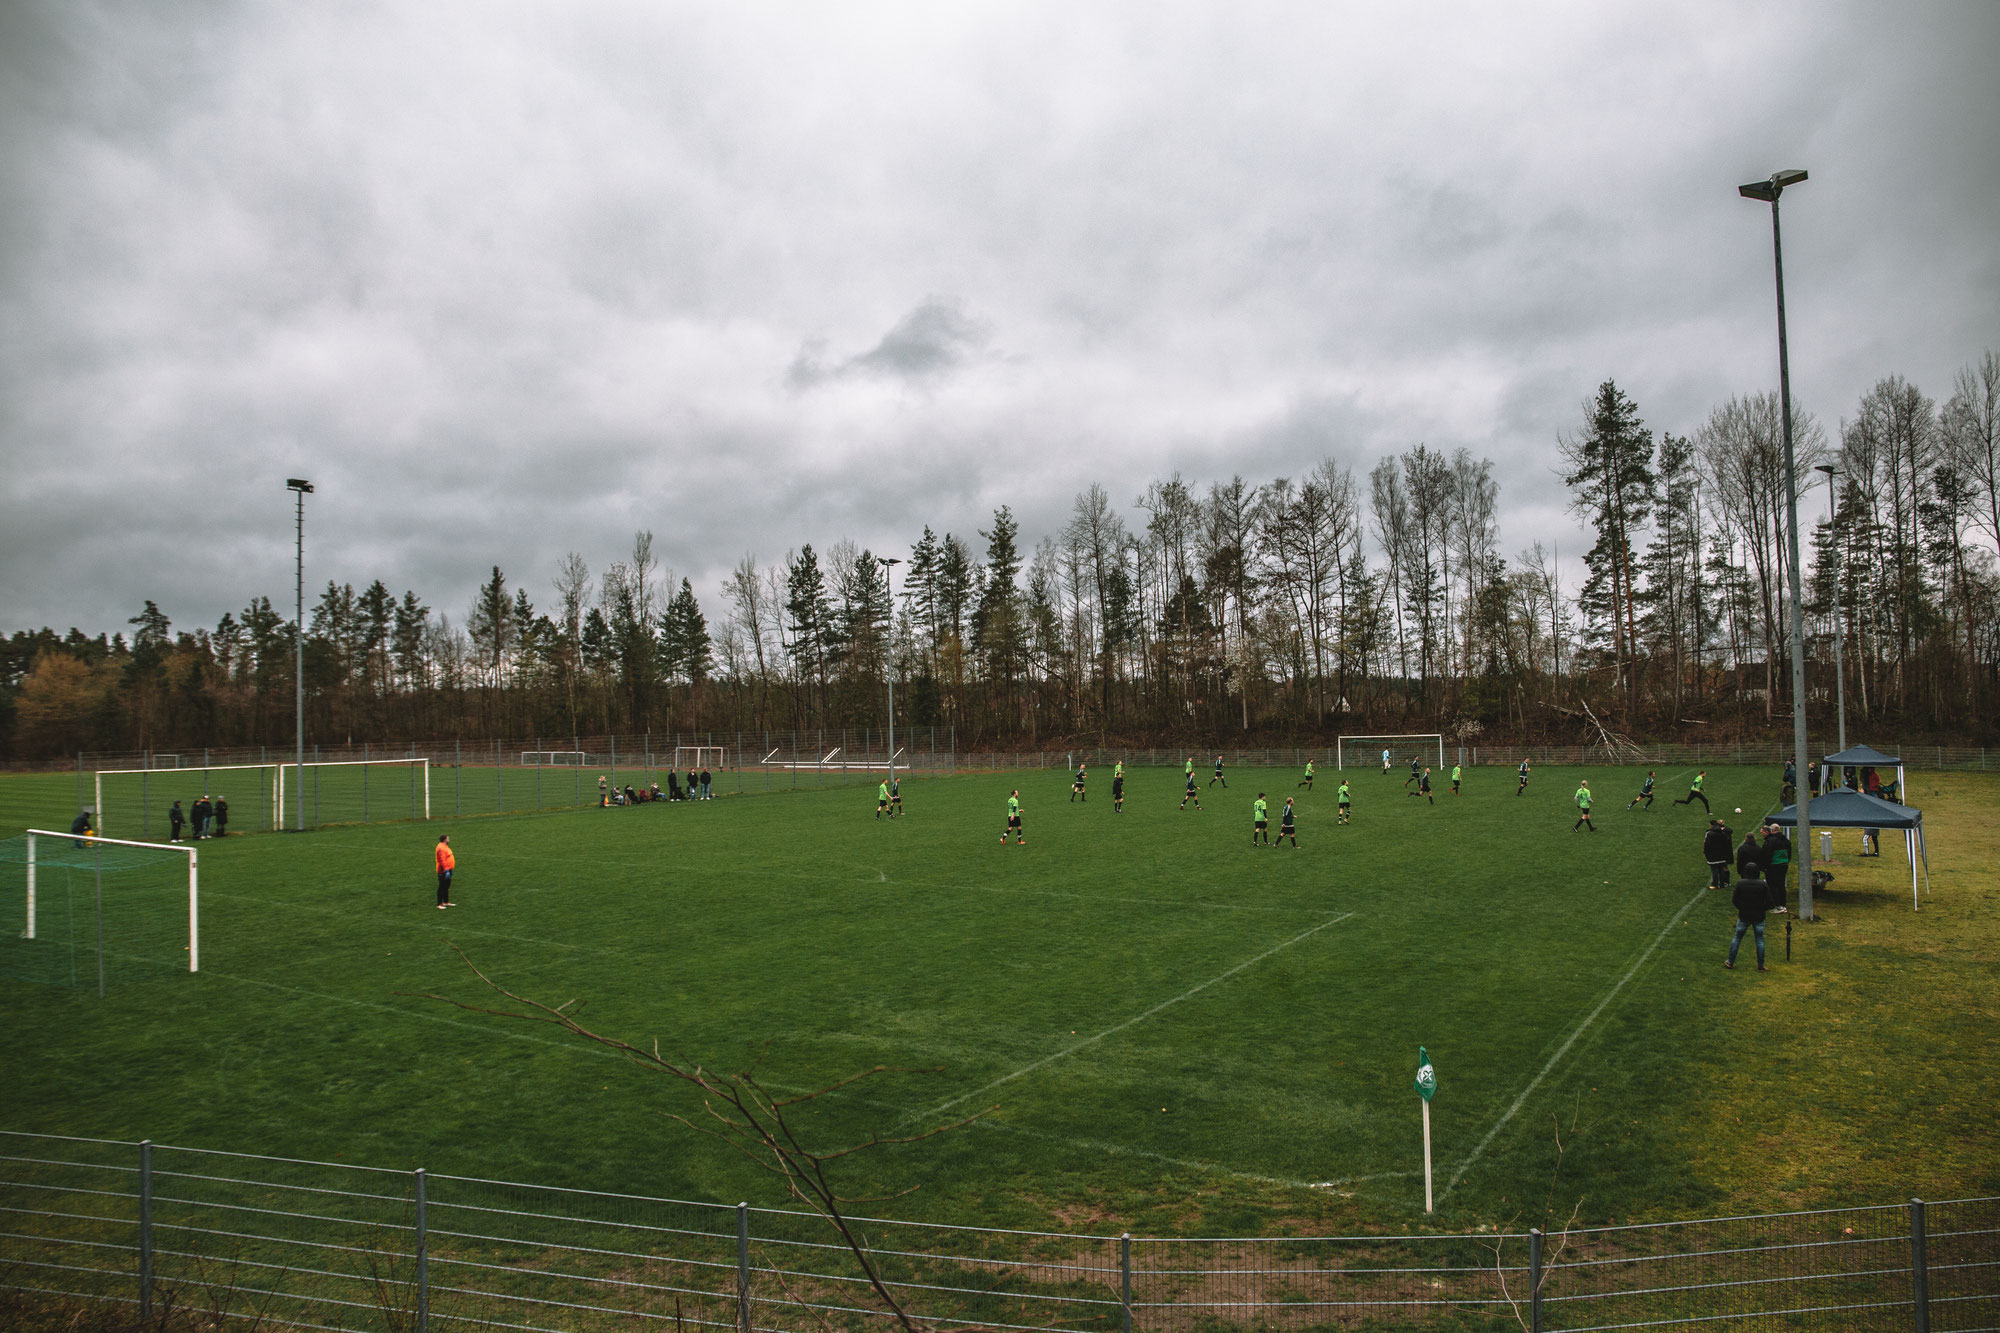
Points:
91	912
259	798
558	759
1366	751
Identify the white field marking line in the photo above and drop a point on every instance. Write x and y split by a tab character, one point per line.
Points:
1568	1042
579	1046
1101	898
435	928
1092	1040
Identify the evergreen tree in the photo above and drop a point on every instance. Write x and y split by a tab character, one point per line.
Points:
1610	469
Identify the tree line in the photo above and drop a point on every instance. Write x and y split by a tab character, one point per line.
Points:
1304	605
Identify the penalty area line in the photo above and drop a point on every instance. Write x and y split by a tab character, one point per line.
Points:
1568	1042
1116	1028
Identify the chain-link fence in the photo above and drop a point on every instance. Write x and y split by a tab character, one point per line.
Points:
340	1247
1958	758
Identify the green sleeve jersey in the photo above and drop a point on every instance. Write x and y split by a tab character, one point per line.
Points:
1262	808
882	792
1583	798
1013	806
1343	791
1454	772
1699	778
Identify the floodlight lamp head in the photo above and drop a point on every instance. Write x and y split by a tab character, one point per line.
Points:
888	560
1827	468
299	484
1789	176
1762	191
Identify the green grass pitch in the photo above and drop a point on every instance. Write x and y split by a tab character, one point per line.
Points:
1176	1030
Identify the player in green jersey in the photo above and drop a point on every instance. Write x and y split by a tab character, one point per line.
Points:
1583	809
1346	803
1014	819
1694	791
882	800
1308	783
1456	770
1260	829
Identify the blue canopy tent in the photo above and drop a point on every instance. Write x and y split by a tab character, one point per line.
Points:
1858	757
1847	808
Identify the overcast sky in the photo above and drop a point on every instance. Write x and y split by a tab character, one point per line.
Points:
508	280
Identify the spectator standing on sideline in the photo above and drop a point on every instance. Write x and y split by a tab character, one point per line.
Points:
175	819
1750	858
80	826
446	863
707	791
1715	850
1777	863
1750	907
222	816
201	811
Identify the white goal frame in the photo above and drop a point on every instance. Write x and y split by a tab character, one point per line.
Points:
557	759
422	762
720	751
194	880
1375	743
831	762
277	785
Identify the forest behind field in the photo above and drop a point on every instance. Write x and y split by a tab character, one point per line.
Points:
1336	600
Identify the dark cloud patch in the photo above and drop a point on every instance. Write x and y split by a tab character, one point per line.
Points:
931	340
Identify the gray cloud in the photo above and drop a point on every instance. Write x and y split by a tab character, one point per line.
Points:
508	281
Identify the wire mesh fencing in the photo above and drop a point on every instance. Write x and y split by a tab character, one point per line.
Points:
360	1249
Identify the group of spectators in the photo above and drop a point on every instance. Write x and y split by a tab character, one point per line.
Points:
210	819
700	787
1761	871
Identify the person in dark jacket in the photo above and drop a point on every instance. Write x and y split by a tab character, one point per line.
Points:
80	826
201	810
1777	864
222	816
1750	907
1715	850
673	785
1750	858
175	819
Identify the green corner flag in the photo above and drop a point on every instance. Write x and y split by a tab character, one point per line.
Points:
1427	1079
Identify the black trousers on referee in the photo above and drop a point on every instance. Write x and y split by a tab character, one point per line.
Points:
444	887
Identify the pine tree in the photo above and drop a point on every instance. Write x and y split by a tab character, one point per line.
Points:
1610	470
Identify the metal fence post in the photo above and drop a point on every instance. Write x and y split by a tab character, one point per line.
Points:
423	1259
1534	1280
499	781
743	1267
1125	1282
458	777
146	1231
1920	1278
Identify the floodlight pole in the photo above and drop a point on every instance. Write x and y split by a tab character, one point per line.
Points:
889	563
301	489
1768	192
1839	613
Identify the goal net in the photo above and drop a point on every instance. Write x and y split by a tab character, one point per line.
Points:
1426	746
558	759
259	798
92	912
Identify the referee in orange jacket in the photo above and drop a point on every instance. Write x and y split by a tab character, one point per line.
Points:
445	864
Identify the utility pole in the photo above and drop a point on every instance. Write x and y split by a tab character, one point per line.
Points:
300	488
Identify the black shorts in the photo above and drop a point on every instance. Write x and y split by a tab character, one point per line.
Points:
1263	823
1013	821
1347	805
1284	830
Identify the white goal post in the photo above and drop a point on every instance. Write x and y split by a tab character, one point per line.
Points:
698	757
1369	748
268	781
421	769
194	880
556	759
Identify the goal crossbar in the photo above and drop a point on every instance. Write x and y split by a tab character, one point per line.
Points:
276	770
420	764
825	763
194	879
1387	741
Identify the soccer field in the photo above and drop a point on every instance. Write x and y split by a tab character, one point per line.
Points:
1172	1028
